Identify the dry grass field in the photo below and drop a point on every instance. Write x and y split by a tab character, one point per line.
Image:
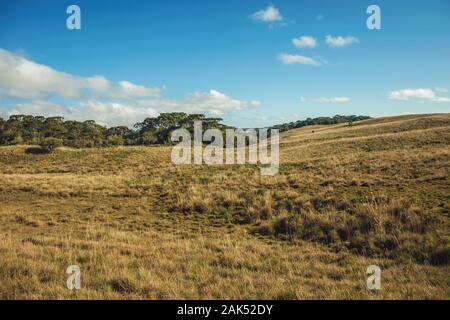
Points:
139	227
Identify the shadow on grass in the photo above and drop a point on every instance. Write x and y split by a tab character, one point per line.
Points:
35	150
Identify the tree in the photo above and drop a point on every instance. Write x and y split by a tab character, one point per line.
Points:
27	129
319	121
157	130
54	127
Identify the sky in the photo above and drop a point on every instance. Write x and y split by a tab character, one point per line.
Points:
253	63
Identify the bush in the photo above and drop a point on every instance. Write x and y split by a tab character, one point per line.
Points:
389	228
50	144
266	228
441	256
286	225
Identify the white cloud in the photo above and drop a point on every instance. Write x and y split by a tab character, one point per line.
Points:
425	94
212	103
130	90
36	108
106	102
270	14
341	99
111	113
406	94
333	100
304	42
22	78
441	99
438	89
297	59
339	41
255	103
97	84
105	113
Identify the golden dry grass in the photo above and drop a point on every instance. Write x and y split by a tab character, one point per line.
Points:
140	227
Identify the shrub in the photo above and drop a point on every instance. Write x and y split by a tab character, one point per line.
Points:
266	228
50	144
390	228
286	225
441	256
200	207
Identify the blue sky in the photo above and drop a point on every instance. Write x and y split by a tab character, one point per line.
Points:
136	58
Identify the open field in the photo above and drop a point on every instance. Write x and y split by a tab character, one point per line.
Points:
139	227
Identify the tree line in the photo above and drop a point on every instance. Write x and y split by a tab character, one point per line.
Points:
320	121
52	132
27	129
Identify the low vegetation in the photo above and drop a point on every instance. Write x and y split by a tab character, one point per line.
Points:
320	121
140	227
27	129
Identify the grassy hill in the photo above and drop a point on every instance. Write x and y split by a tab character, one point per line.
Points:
140	227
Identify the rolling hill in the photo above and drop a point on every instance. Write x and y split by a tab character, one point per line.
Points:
347	196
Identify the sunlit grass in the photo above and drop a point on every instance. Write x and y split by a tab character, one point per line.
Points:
140	227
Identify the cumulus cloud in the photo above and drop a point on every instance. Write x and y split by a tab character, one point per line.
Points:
298	59
106	102
333	100
425	94
23	78
212	103
36	108
269	14
105	113
339	41
130	90
304	42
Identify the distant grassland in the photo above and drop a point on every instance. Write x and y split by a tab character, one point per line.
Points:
139	227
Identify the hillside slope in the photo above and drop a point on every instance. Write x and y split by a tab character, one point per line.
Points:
140	227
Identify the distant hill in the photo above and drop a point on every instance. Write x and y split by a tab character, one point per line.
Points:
319	121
